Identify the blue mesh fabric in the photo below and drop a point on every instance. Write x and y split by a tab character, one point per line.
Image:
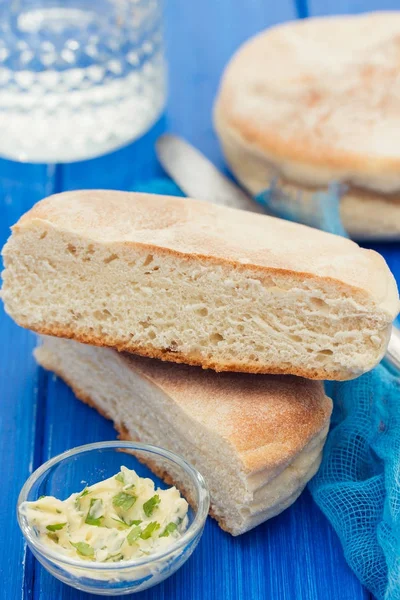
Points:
358	484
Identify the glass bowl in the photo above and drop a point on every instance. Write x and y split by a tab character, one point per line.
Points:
85	465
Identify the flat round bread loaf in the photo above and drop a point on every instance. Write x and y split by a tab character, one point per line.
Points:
256	439
188	281
316	101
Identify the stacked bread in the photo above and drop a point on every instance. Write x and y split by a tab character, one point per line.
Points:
123	285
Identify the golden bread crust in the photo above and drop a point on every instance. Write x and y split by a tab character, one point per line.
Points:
266	419
366	214
200	231
320	99
250	367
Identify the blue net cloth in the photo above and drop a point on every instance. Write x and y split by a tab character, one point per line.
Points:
358	484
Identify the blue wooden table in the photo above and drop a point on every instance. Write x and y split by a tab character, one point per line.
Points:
295	556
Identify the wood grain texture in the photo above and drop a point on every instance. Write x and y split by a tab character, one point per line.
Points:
201	38
21	392
295	556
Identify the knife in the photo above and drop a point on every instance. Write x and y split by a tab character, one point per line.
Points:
199	178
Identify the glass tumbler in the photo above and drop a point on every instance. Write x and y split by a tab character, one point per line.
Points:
78	78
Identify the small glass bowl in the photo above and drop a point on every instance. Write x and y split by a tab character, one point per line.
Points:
85	465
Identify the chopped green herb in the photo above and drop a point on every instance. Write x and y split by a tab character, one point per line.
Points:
121	523
95	514
53	537
124	500
149	530
150	505
170	528
56	526
133	535
115	558
83	549
84	492
40	497
120	477
127	524
59	512
95	522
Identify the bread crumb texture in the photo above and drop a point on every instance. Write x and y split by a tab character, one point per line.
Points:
187	281
256	440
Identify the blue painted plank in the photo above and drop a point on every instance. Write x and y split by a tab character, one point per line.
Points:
336	7
20	405
391	252
21	391
119	170
201	38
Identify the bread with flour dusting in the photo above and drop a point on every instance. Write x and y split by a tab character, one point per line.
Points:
315	101
256	439
188	281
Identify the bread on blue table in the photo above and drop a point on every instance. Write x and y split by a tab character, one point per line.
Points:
257	439
191	282
317	101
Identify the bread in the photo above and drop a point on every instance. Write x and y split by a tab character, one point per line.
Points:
187	281
256	439
315	101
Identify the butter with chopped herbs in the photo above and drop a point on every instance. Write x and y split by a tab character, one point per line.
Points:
118	519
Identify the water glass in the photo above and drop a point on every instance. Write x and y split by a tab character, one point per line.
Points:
78	78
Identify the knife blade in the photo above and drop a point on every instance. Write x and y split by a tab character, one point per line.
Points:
199	178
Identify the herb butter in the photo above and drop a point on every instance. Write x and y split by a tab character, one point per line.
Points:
117	519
